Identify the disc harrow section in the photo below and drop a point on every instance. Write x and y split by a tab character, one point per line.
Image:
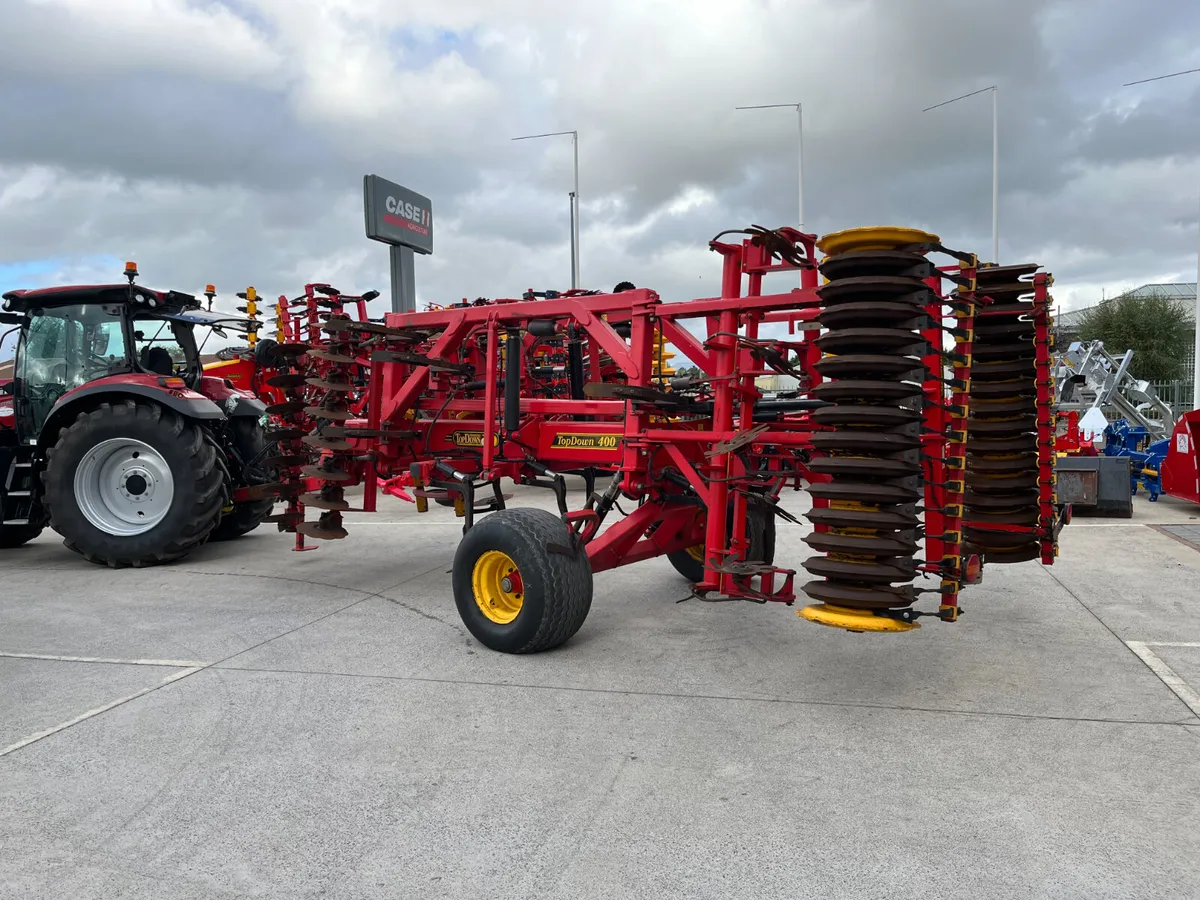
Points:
1007	473
866	515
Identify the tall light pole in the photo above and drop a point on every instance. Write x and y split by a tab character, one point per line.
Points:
800	156
574	199
995	163
1196	361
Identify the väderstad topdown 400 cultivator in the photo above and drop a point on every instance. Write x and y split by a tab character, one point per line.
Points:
922	429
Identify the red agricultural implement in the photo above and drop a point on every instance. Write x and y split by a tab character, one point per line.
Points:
922	428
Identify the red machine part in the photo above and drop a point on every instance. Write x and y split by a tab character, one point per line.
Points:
455	401
1180	469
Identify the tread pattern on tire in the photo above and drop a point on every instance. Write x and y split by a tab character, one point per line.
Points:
760	529
567	579
211	489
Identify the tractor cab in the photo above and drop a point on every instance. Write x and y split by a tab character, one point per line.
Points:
73	336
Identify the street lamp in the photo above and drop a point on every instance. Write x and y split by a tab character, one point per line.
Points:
574	199
1196	361
800	156
995	164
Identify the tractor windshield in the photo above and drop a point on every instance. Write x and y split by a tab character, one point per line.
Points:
68	346
65	347
166	346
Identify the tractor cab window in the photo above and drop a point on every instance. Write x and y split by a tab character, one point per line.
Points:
165	347
68	346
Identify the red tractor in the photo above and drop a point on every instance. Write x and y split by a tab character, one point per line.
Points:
111	433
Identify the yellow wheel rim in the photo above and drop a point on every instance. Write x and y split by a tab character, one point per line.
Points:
696	553
499	591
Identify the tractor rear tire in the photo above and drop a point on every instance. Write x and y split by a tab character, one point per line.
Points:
249	440
518	584
105	473
16	535
760	530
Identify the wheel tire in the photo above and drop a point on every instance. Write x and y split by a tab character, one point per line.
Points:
554	588
16	535
760	529
249	441
199	489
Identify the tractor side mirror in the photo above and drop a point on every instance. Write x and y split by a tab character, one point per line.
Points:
7	318
100	341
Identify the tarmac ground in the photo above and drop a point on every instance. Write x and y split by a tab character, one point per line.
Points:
253	722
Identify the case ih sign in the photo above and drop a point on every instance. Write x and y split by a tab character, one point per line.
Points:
397	216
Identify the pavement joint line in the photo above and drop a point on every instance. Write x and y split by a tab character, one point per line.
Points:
789	701
1165	673
1188	697
174	663
91	713
192	670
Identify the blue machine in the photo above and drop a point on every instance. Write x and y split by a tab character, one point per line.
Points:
1145	458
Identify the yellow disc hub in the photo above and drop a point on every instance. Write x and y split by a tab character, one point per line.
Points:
852	619
873	238
696	553
499	590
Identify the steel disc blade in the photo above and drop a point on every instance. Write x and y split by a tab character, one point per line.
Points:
1002	427
989	409
882	520
335	475
331	384
317	501
876	287
322	532
1014	555
831	542
866	313
1009	350
877	262
1002	370
330	356
997	540
286	408
1016	387
1027	516
848	414
1007	502
990	332
862	389
284	462
333	415
327	443
1022	443
863	572
1000	483
863	467
1025	462
872	340
859	597
289	380
283	435
864	441
991	275
864	492
1001	312
865	365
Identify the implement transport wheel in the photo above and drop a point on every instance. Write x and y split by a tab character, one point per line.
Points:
518	586
760	530
133	484
249	440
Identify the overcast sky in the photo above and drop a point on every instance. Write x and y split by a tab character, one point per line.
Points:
226	142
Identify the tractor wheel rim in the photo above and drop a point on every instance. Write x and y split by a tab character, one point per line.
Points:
499	591
696	552
124	487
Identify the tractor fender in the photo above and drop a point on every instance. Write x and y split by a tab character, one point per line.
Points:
232	400
184	401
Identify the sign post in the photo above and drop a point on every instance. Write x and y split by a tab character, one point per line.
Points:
402	219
